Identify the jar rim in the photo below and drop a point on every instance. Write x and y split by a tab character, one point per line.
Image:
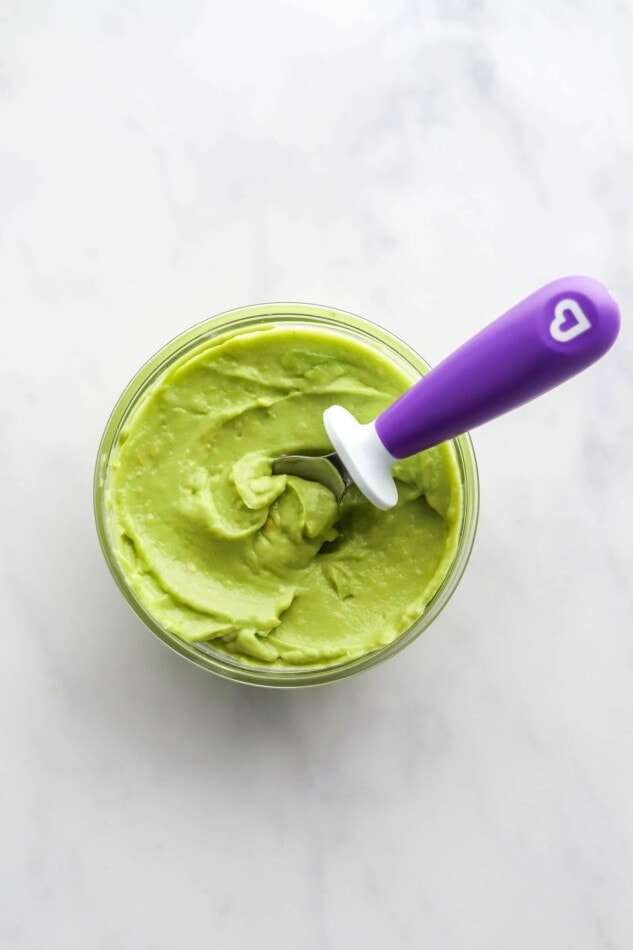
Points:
251	318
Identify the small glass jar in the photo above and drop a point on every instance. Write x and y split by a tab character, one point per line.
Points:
244	320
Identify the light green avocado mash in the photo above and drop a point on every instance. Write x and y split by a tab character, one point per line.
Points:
268	567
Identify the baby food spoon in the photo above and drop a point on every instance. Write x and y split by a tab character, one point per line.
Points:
545	339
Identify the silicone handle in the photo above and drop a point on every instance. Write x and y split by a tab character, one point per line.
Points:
542	341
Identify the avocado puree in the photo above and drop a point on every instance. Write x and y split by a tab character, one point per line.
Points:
269	568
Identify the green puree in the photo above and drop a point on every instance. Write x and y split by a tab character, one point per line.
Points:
267	567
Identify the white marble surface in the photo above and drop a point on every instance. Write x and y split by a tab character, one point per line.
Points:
423	164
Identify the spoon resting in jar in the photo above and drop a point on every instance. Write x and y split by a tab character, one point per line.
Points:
544	340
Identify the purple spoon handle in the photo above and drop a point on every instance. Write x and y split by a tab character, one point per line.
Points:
547	338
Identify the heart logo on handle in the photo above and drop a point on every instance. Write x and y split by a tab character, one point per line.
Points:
563	310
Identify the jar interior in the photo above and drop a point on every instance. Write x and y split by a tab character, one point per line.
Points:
211	332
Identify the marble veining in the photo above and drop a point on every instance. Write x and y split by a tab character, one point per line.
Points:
425	164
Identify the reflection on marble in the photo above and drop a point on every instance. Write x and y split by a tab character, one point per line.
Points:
426	165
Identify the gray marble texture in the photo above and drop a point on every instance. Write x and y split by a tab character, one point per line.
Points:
425	164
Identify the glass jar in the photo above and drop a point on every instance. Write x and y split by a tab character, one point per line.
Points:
242	321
